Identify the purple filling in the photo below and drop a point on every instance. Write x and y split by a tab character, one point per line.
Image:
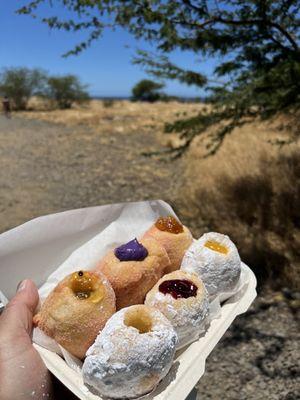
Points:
131	251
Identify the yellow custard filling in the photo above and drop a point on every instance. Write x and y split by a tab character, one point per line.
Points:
215	246
138	319
87	286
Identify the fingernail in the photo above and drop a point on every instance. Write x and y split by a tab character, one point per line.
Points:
21	285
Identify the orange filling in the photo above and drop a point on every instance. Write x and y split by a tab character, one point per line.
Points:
169	224
138	319
87	286
215	246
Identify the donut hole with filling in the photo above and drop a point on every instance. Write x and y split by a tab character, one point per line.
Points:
139	319
169	224
215	246
179	288
86	286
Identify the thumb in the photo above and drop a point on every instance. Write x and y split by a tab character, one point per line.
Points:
17	315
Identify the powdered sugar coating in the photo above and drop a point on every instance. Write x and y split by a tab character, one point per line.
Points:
124	363
219	272
189	316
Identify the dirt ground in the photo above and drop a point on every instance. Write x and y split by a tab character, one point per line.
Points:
50	167
54	161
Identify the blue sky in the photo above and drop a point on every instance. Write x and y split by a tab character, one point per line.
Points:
106	67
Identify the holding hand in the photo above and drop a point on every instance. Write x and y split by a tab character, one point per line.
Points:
23	375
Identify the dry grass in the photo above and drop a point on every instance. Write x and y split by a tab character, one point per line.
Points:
123	116
250	190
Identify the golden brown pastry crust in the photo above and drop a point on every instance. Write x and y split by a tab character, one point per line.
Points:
176	244
131	280
72	322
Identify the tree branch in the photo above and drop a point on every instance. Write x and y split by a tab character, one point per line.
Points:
258	22
194	24
216	19
192	6
286	34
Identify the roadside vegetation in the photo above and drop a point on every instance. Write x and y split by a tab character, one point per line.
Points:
147	90
20	84
254	200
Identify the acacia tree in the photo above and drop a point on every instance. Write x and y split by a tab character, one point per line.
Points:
65	90
255	41
147	90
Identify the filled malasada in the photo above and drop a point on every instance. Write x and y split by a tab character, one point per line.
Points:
76	310
133	269
173	236
183	299
215	259
131	355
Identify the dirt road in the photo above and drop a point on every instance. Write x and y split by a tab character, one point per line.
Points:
46	168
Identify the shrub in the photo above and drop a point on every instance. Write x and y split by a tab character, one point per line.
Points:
65	90
147	90
108	103
19	84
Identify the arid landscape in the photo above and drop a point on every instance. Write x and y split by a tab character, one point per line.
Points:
99	153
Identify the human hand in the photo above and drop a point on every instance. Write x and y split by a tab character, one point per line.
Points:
23	375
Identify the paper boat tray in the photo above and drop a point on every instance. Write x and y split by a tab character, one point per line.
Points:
35	249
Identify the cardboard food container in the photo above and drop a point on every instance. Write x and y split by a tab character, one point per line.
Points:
53	246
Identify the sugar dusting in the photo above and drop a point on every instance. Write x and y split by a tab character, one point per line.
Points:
219	272
189	316
124	363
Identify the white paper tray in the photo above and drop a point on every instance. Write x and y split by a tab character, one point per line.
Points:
35	249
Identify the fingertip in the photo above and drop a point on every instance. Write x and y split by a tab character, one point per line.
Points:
27	293
17	315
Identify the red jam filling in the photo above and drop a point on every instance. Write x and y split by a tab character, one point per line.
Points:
169	224
178	288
